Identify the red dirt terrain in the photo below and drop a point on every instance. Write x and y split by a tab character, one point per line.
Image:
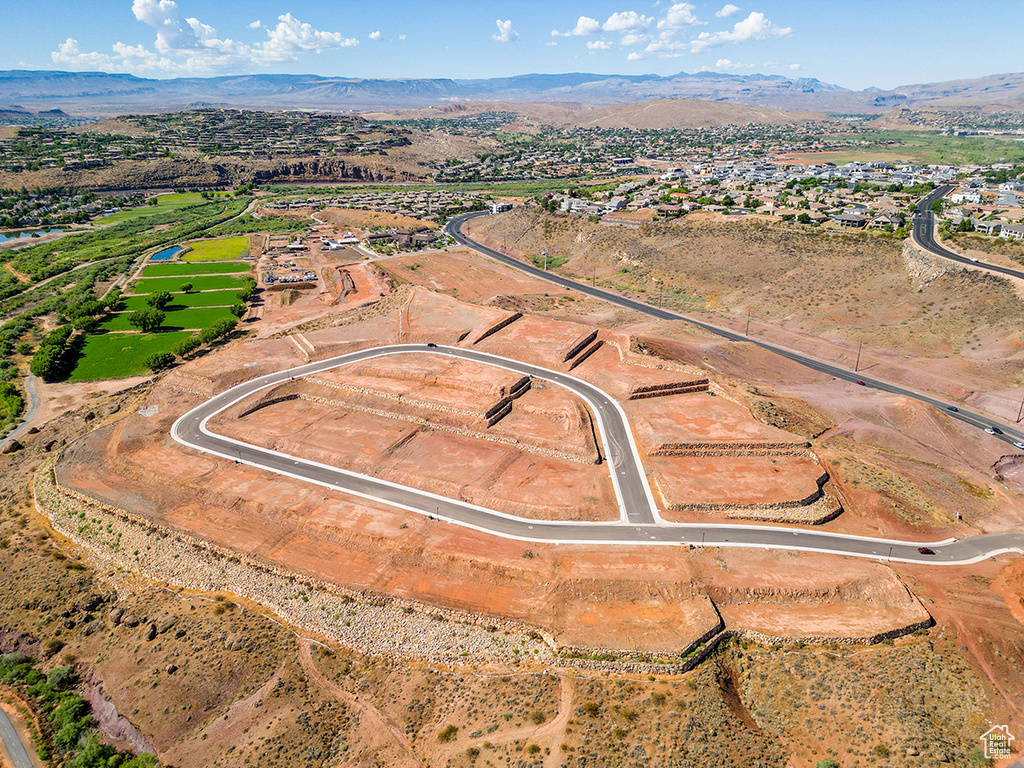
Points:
392	418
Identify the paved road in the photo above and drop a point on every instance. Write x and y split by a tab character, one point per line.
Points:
923	233
454	228
641	524
33	406
10	738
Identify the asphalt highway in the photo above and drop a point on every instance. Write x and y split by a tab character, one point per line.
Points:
1010	434
639	525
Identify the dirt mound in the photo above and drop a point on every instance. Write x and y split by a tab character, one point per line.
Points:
1010	469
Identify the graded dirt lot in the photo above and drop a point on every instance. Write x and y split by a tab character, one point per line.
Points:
394	419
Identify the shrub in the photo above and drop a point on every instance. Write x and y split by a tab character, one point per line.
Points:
448	734
61	678
537	717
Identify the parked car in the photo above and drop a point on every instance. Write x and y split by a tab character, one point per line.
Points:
926	550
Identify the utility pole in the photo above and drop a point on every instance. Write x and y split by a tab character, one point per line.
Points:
856	366
593	279
545	261
1020	413
661	294
747	331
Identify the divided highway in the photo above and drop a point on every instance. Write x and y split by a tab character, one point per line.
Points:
640	523
1010	434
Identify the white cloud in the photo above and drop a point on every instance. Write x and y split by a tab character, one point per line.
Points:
551	43
598	45
188	46
401	37
584	26
635	56
728	10
125	58
626	21
375	35
754	27
666	49
635	38
291	37
505	32
678	16
726	65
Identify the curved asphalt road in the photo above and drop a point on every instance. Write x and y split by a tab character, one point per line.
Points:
923	232
454	228
640	525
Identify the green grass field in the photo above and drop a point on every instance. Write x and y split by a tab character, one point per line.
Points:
203	268
193	318
218	249
199	283
165	203
183	300
116	355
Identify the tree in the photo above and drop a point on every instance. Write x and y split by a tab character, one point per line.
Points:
160	299
47	363
217	330
146	320
186	287
804	218
159	360
247	290
187	346
238	310
937	206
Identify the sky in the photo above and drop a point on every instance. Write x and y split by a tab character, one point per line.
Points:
852	44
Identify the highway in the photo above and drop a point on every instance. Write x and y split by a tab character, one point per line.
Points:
1010	434
639	525
923	233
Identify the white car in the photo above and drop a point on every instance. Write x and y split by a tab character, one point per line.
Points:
1019	445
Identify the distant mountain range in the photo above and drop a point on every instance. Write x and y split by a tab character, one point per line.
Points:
103	94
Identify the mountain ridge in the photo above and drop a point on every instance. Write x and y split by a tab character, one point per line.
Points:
118	93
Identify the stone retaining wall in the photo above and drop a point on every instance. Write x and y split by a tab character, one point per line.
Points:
504	323
576	348
587	353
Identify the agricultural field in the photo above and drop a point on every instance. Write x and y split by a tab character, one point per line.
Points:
183	318
199	283
117	355
165	204
184	300
202	268
218	249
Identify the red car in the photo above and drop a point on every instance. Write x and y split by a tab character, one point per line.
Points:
926	551
861	383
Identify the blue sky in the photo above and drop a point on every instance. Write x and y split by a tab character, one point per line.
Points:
853	44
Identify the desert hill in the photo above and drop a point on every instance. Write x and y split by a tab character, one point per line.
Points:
687	113
660	114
